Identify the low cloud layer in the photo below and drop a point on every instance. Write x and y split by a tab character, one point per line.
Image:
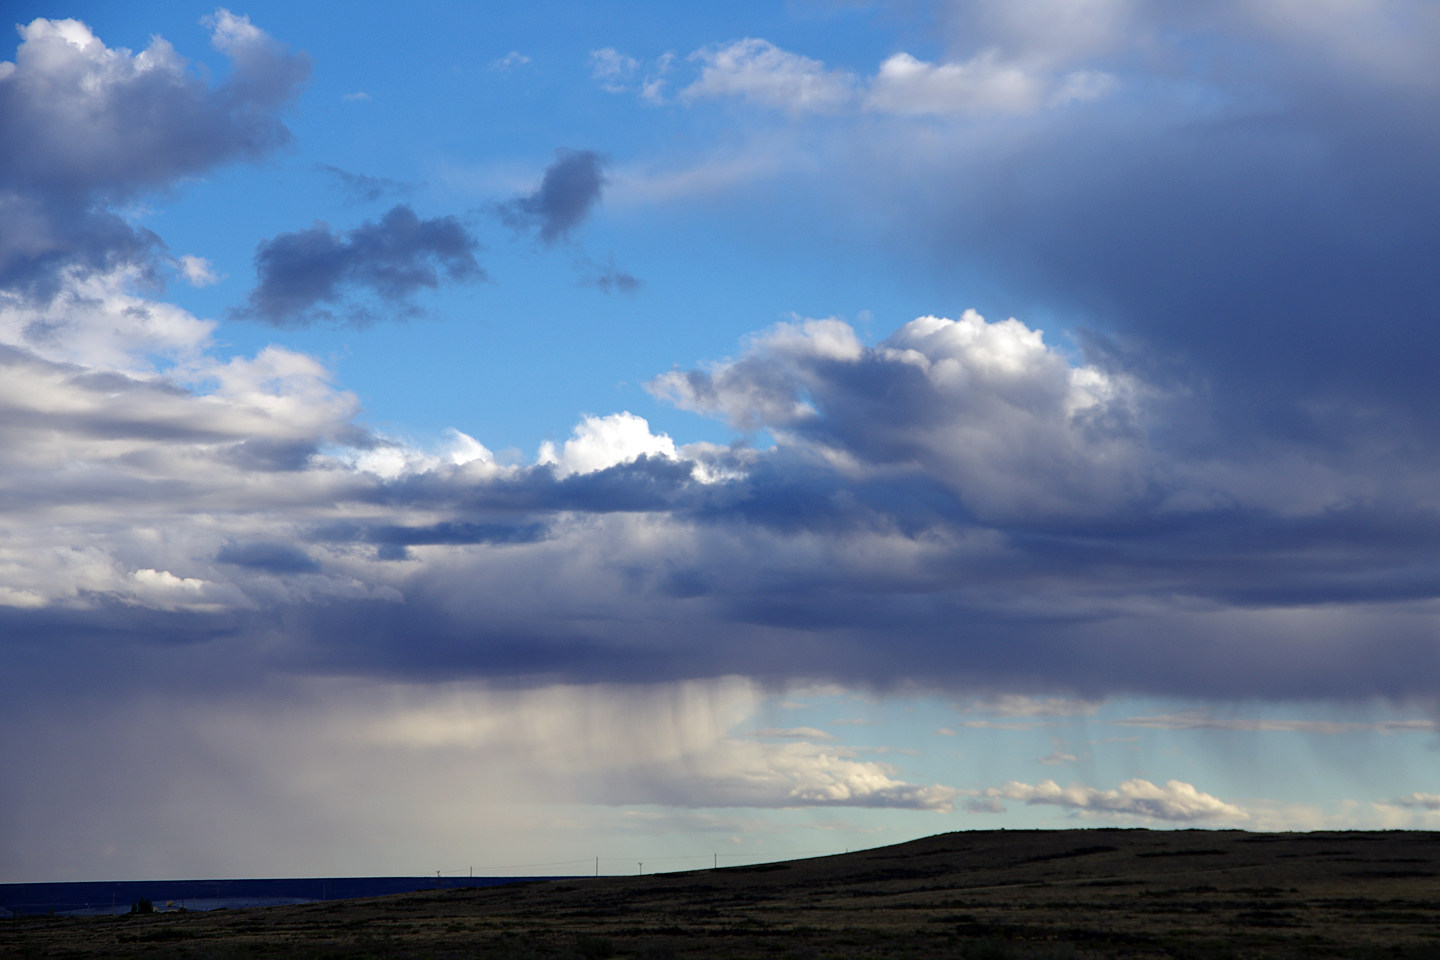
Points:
1196	720
87	128
1175	802
319	274
957	508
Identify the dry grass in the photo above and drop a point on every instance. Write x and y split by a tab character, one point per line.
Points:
984	895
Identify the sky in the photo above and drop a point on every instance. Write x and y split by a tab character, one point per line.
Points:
497	437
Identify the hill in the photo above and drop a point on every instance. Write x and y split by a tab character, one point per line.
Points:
979	895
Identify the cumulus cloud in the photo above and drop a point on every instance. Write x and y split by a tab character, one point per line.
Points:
985	408
601	442
758	71
304	274
569	190
84	127
1175	802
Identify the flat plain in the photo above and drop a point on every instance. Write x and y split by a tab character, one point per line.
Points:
974	895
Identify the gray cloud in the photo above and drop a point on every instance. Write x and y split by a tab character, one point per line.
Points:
304	273
362	188
607	277
83	128
1418	801
568	192
270	557
848	553
1267	248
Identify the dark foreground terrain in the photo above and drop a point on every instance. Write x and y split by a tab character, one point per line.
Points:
993	895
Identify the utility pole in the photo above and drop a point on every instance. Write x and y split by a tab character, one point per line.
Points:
597	866
715	864
642	866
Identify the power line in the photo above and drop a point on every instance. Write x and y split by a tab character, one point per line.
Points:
598	861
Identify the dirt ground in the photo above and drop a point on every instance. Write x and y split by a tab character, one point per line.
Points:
981	895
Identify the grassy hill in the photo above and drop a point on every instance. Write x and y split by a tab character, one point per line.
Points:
980	895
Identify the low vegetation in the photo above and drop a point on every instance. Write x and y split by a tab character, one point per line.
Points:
993	895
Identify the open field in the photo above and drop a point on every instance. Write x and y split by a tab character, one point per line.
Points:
982	895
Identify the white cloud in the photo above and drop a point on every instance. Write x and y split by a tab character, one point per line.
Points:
985	84
760	72
1418	801
1020	705
601	442
359	96
466	449
198	271
232	34
1177	801
613	69
510	61
96	321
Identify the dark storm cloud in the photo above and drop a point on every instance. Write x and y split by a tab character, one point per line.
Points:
83	128
303	274
1265	225
568	192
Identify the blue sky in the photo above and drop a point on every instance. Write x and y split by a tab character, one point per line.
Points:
491	436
